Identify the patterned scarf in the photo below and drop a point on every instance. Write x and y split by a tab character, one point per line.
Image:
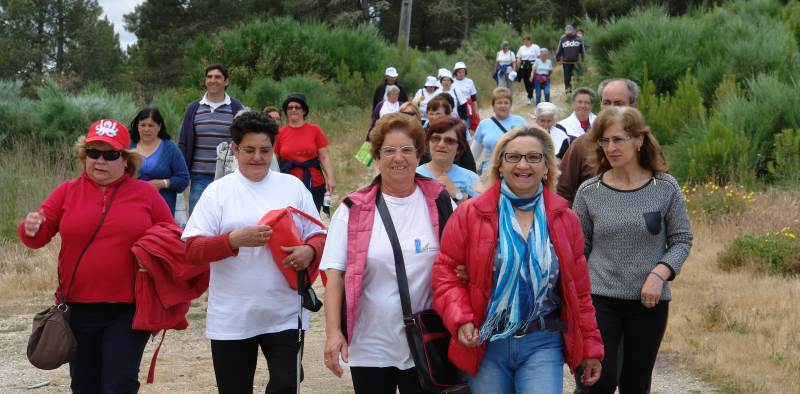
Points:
524	267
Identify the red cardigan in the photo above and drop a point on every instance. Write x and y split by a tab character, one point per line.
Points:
470	238
108	268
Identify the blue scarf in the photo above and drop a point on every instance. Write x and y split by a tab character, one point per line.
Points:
524	267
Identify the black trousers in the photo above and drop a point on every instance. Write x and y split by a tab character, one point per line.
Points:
235	362
569	69
109	351
374	380
640	329
318	193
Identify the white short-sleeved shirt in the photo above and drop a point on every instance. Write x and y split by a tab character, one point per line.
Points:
505	58
528	53
248	295
379	339
465	87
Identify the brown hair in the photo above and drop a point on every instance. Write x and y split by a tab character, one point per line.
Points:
132	158
526	37
439	102
443	125
397	122
547	147
271	108
501	92
650	154
413	106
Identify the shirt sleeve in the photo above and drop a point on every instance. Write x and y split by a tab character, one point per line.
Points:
276	149
206	218
52	208
320	138
335	254
679	233
582	210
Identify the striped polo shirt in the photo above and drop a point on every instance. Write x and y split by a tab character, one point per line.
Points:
212	127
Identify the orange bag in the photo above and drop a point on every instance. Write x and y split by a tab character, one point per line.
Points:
284	233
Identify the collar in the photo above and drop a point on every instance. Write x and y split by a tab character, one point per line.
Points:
204	100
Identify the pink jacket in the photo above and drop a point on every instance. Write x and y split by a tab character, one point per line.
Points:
359	229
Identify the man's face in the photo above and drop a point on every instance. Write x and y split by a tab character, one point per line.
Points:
582	105
616	94
215	81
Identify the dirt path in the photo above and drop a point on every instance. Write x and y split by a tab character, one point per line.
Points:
184	364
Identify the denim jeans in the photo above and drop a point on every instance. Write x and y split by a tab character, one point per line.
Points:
531	364
199	183
541	87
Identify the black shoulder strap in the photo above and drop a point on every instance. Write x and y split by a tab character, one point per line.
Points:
444	206
497	122
399	263
60	295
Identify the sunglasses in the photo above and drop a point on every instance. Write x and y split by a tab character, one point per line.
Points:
435	139
294	107
109	155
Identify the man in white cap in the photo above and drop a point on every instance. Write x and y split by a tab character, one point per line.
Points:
390	79
425	94
466	88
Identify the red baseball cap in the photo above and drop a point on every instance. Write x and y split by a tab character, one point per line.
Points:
110	132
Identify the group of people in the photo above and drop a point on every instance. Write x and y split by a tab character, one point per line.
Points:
561	251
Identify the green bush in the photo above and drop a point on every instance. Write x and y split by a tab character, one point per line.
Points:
785	166
721	153
487	38
775	253
672	116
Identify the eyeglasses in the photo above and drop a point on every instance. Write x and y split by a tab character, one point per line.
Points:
294	107
435	139
604	142
407	150
517	157
109	155
249	150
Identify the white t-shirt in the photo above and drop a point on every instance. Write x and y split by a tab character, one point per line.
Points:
465	88
530	53
248	295
379	339
389	108
505	58
458	99
422	97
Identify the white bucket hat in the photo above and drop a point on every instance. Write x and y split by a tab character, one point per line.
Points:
459	65
430	81
391	72
445	73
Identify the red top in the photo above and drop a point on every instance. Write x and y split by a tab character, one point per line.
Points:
470	238
585	124
302	144
108	268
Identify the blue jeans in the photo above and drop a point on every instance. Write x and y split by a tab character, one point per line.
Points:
539	87
531	364
199	183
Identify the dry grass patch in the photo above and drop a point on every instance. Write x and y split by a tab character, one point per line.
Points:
739	327
26	273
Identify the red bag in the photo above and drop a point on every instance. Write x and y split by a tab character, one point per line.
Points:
474	121
284	233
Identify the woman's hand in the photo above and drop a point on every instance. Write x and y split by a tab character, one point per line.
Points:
299	256
448	184
335	344
33	222
250	236
330	185
158	183
591	371
653	285
461	273
468	335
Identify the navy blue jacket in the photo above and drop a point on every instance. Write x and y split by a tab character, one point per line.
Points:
186	140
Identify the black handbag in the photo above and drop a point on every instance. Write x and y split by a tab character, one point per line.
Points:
428	338
52	343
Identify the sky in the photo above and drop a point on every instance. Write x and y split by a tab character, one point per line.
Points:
114	10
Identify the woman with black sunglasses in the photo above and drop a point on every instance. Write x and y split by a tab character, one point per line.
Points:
106	198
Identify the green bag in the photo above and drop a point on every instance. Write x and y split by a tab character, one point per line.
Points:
363	155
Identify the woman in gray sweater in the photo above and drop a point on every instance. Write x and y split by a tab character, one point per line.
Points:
637	235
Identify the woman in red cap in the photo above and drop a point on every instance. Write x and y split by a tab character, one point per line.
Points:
99	216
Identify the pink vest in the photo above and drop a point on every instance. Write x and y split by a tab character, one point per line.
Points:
359	231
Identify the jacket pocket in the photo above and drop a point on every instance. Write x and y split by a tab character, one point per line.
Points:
653	222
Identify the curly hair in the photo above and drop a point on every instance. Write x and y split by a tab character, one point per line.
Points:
253	122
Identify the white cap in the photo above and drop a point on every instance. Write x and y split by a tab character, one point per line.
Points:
459	65
445	73
512	75
430	81
391	72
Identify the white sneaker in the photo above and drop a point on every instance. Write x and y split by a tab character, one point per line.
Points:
529	101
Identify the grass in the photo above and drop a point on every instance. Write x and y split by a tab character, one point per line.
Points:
738	327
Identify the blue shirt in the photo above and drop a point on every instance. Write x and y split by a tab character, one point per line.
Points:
464	179
487	134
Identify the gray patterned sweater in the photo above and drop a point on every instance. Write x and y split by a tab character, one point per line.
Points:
628	232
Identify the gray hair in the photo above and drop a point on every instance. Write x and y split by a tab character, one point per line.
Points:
633	88
583	90
545	108
392	89
545	50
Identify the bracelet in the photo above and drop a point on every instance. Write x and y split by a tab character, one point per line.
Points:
657	275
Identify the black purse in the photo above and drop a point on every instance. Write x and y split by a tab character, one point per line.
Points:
428	338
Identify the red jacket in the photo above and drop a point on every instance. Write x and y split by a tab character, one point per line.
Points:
470	238
164	292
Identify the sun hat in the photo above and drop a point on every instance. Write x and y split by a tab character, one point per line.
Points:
445	73
111	132
296	97
430	81
391	72
459	65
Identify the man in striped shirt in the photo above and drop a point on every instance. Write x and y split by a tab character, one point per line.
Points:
206	124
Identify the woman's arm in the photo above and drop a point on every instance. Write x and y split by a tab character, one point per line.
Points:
180	174
327	169
679	234
335	342
587	226
450	295
39	227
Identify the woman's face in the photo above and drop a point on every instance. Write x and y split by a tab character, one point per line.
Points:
294	111
436	114
619	147
461	73
545	122
148	130
102	171
276	116
254	155
446	83
430	89
398	159
526	42
543	56
392	97
523	177
443	146
502	107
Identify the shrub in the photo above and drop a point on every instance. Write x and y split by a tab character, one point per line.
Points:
487	37
721	153
785	166
671	116
710	202
775	253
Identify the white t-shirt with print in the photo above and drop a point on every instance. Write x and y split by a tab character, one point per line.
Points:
248	295
379	339
530	53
